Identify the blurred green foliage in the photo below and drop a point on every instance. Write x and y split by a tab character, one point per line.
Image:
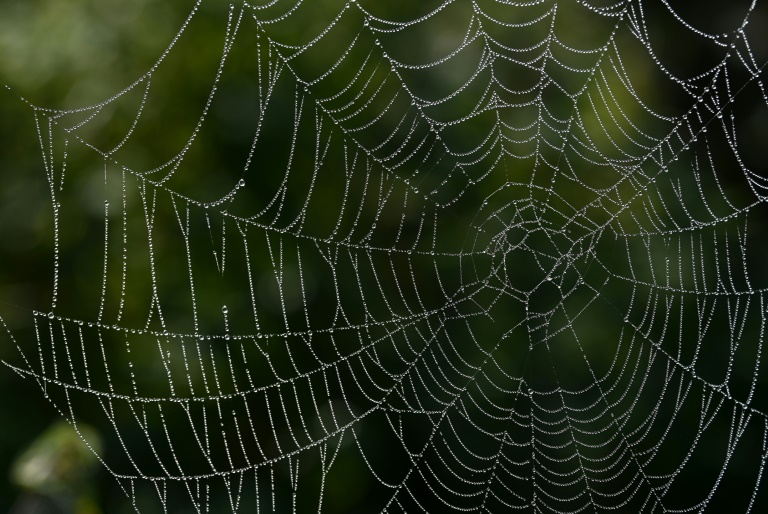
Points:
58	465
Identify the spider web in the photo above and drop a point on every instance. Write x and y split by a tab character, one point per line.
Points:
463	255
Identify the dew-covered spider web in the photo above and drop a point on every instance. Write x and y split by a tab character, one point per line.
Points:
465	255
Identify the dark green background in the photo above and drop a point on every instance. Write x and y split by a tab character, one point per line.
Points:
69	53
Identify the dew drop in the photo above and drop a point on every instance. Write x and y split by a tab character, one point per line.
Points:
224	309
50	315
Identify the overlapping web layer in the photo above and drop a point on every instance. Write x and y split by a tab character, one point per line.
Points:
468	255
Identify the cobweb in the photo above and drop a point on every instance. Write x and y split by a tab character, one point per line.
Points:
464	255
